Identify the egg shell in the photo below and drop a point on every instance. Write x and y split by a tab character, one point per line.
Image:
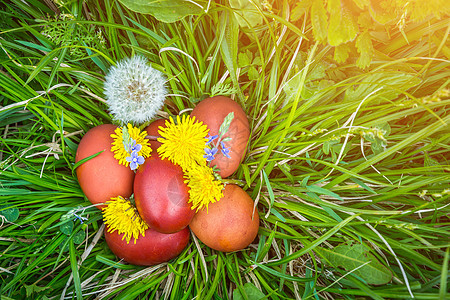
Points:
151	249
212	112
228	224
102	177
161	195
152	129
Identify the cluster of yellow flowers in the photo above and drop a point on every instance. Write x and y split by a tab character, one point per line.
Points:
183	142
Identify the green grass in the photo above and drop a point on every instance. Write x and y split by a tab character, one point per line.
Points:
338	155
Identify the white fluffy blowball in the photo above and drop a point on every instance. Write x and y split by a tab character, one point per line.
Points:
135	91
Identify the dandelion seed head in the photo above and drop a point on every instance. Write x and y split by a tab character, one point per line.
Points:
135	91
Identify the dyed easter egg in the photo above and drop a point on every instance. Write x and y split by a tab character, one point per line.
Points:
161	195
102	177
212	112
229	224
151	249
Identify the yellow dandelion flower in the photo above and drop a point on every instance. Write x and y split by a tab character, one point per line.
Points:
130	146
203	187
119	214
183	143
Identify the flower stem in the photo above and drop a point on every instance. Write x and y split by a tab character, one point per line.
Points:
152	137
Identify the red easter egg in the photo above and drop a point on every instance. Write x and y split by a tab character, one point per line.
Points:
162	196
229	224
151	249
212	112
102	177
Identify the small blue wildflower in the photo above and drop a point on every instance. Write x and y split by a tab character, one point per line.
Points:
225	150
211	138
131	146
135	160
80	218
135	147
210	153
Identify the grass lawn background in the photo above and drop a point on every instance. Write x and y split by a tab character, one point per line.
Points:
348	158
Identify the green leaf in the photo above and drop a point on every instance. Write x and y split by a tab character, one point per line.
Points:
67	227
352	257
64	245
113	263
86	159
10	212
281	274
253	74
226	124
331	212
33	288
10	116
326	147
301	8
246	13
321	191
257	61
264	247
318	72
363	185
381	14
278	215
291	87
79	237
47	59
444	275
365	49
244	60
391	83
251	291
362	3
166	11
319	21
229	37
369	136
75	271
341	53
269	188
222	89
342	26
377	147
429	161
385	128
